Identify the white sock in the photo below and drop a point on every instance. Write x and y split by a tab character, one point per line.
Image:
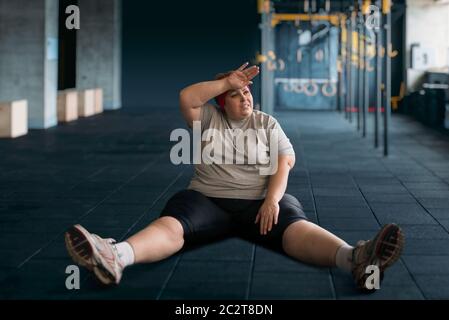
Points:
125	253
343	258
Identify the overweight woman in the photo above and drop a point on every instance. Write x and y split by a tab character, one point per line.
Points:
234	198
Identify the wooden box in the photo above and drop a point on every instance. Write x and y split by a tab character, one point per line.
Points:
67	105
86	103
13	119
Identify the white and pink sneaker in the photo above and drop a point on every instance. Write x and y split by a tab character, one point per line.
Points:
94	253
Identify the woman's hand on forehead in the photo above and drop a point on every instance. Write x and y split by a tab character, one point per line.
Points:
242	77
251	72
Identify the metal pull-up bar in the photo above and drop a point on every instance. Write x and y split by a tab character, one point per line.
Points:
386	10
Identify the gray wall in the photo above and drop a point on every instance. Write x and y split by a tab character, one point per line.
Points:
28	57
99	49
427	23
170	45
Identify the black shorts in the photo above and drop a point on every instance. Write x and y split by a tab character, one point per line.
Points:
205	219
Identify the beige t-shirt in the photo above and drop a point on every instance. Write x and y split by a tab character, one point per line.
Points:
245	174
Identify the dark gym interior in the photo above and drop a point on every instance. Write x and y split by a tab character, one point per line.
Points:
361	88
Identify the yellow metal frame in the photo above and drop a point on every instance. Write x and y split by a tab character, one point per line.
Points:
386	6
263	6
396	99
278	17
365	6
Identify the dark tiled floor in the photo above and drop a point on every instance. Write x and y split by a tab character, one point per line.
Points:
112	174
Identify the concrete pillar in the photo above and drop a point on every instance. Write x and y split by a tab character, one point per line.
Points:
99	49
29	57
267	44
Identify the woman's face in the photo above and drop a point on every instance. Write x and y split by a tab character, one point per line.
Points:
239	104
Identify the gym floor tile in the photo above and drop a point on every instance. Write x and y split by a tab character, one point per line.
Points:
429	265
287	285
232	249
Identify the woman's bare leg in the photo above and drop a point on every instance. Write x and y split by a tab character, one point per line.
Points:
161	239
310	243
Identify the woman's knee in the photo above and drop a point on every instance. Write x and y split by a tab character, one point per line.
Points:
171	226
294	232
